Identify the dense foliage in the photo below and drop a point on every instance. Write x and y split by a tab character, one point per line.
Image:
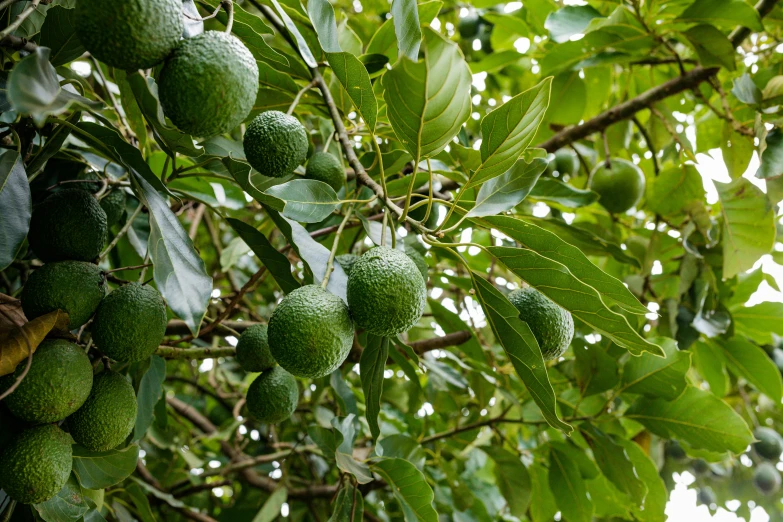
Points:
463	135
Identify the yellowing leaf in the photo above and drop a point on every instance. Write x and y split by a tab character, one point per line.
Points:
13	344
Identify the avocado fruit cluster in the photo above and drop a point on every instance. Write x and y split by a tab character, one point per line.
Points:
552	326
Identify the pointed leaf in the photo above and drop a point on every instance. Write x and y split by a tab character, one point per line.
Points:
102	469
306	200
353	76
508	190
550	189
301	43
150	389
16	203
277	263
241	172
569	488
751	362
371	367
656	376
405	17
409	487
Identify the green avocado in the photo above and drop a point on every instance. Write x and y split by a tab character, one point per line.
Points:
253	352
57	384
386	292
68	225
109	414
273	396
469	25
130	323
566	162
75	287
326	167
418	260
36	464
552	326
620	186
209	83
275	144
113	204
129	34
346	261
310	332
769	445
767	478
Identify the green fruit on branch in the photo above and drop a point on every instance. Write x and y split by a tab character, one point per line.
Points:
346	261
57	384
386	292
326	167
75	287
766	478
130	323
310	332
272	397
68	225
621	185
209	83
552	326
129	34
769	445
275	144
253	352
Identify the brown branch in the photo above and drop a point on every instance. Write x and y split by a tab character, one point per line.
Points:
170	352
423	346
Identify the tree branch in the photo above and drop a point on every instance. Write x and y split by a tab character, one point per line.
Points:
170	352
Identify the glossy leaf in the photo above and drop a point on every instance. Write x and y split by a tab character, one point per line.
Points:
405	17
148	395
427	101
409	487
747	360
102	469
68	504
58	33
242	173
306	200
277	263
507	190
16	203
717	427
657	376
569	488
615	464
512	479
550	189
569	21
371	367
301	43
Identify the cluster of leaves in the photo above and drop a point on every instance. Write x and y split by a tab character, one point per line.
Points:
445	110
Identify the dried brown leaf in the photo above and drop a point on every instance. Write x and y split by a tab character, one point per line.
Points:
13	345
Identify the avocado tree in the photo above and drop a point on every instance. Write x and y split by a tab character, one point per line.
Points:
388	260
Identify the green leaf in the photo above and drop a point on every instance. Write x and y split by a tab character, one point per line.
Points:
301	43
353	76
542	502
521	348
348	506
657	376
409	488
16	202
402	446
507	190
554	190
306	200
717	427
405	16
709	362
745	90
102	469
512	479
371	368
321	14
569	488
759	321
508	130
674	189
242	173
180	273
646	470
327	440
712	46
615	464
52	145
570	91
428	101
748	225
33	89
594	369
277	263
67	504
723	13
772	157
751	362
141	502
270	511
150	389
58	33
569	21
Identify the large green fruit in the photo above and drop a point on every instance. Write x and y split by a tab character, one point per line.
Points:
273	396
275	144
326	167
386	292
766	478
566	162
129	34
108	415
310	332
209	83
347	261
769	445
620	186
552	326
253	352
113	204
75	287
69	224
36	464
130	323
57	384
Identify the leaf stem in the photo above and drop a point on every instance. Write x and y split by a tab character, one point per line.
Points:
228	5
429	199
335	244
19	19
299	97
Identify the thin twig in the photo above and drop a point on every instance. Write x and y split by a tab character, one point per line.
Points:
228	5
298	97
19	19
121	233
649	143
335	244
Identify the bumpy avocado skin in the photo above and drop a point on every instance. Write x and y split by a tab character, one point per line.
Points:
209	83
253	352
57	384
326	167
386	292
36	464
310	332
74	287
275	144
129	34
418	260
130	323
273	396
108	415
113	204
69	224
552	326
769	445
346	261
620	186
